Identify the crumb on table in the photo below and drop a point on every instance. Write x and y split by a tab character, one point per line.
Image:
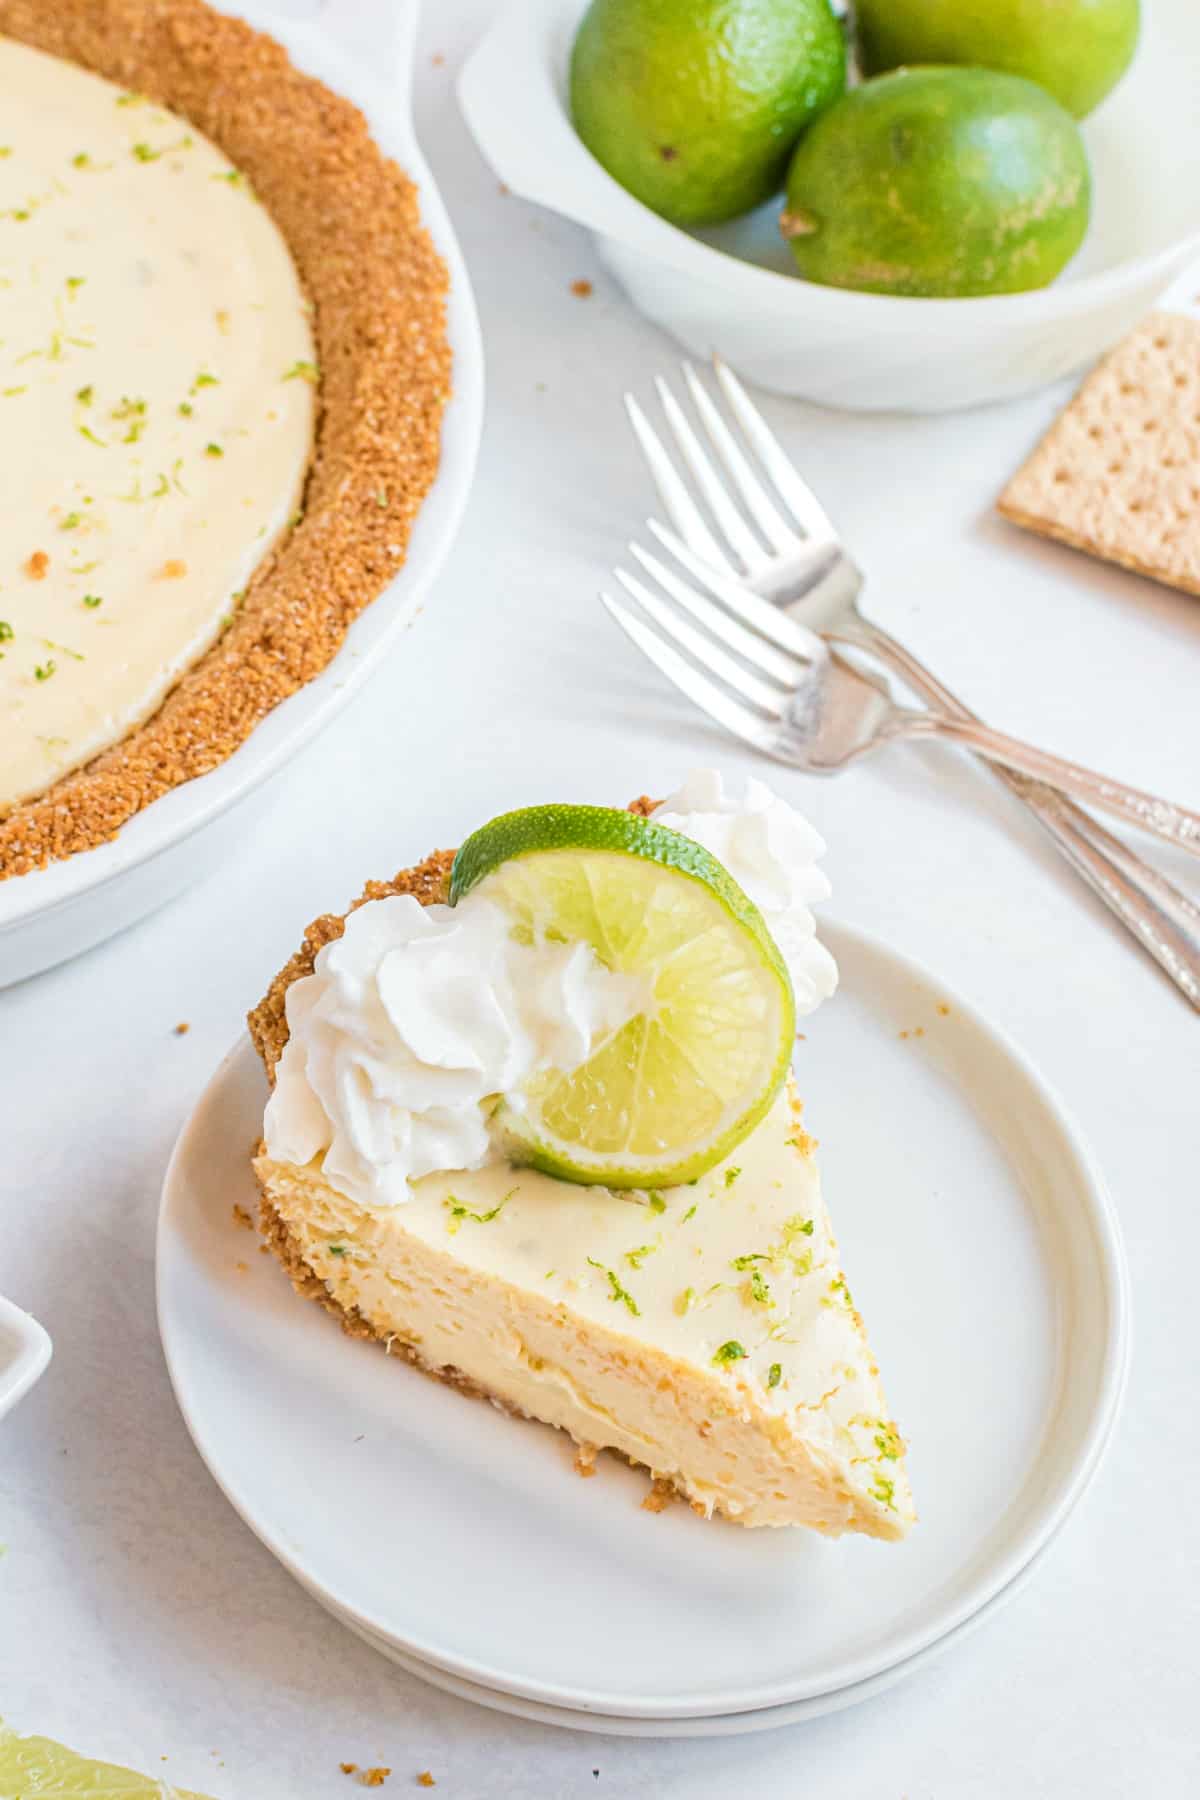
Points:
660	1496
425	1779
348	1768
581	289
182	1029
37	566
375	1777
242	1217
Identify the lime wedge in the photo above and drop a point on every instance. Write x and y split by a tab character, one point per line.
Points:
676	1087
32	1766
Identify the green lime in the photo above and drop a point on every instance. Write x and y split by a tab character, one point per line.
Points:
1076	49
939	182
694	105
688	1077
35	1766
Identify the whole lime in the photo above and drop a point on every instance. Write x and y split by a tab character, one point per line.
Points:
1076	49
694	105
939	182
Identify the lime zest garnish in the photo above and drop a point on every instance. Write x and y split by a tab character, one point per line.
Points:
618	1292
838	1296
460	1213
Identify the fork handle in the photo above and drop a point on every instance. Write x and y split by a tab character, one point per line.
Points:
1162	817
1161	918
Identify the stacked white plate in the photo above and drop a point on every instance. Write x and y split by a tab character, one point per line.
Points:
984	1255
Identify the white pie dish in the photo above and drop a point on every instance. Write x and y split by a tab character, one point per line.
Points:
56	912
24	1353
986	1257
729	289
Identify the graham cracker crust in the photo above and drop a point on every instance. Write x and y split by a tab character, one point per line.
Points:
351	220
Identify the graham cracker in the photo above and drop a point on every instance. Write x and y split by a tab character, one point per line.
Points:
1118	473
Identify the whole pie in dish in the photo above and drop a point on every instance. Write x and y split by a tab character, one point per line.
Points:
703	1330
222	377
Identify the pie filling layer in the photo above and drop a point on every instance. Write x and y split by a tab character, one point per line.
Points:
706	1332
157	399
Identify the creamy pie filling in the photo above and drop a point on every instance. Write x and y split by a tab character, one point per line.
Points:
157	400
707	1332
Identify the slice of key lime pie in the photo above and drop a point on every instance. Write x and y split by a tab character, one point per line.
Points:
533	1128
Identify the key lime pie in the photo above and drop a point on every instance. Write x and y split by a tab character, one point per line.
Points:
533	1129
222	371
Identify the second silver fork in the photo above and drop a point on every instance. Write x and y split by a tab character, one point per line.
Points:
776	539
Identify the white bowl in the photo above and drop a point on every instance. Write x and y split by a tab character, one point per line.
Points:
56	912
729	289
24	1353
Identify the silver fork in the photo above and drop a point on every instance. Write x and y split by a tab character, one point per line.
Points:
784	691
780	545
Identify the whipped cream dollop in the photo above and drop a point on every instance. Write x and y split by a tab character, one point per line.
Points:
772	854
412	1026
419	1020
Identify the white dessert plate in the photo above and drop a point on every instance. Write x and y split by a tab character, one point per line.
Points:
767	1718
983	1252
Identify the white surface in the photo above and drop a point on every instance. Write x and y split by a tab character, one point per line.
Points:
138	1615
734	289
998	1318
52	913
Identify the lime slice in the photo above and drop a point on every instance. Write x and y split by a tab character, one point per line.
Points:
686	1079
32	1766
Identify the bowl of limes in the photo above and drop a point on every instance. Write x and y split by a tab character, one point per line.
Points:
931	205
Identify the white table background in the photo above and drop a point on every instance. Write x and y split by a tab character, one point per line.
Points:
139	1619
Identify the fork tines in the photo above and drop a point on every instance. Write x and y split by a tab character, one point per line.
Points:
689	631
